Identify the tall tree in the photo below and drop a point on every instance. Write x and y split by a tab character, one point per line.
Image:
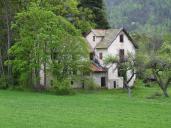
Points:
98	8
41	34
7	11
80	17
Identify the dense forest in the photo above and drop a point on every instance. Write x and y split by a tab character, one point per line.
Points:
99	11
140	15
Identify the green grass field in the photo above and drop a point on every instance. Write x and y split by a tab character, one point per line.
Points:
90	109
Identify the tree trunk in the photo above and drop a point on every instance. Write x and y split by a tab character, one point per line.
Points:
1	64
165	93
127	82
37	73
129	92
44	66
45	79
7	18
126	86
161	84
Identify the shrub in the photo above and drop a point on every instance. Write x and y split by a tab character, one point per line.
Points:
139	83
62	87
90	84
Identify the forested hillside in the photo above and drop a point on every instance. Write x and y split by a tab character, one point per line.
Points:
140	15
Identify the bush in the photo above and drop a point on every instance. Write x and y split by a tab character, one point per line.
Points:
62	87
90	84
139	83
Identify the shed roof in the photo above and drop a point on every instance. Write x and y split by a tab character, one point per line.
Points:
96	68
99	32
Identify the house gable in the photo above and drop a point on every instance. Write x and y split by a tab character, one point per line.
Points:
111	36
116	46
94	37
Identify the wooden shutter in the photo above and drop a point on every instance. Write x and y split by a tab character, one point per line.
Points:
121	54
101	56
94	38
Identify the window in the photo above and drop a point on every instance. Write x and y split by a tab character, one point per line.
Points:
101	56
121	54
94	38
121	38
120	72
114	84
91	56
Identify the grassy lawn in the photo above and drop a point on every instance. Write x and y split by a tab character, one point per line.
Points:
99	109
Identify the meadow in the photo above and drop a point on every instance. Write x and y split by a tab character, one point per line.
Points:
85	109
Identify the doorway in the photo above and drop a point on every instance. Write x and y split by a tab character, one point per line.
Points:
114	84
103	82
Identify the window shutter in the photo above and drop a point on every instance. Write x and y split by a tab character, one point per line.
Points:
94	38
121	54
101	56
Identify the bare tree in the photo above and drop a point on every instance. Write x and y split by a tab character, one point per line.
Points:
125	65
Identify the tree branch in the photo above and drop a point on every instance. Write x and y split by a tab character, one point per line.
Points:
133	74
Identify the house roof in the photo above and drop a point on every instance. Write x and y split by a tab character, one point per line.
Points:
99	32
109	36
96	68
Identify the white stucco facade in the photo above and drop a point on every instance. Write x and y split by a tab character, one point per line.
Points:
112	79
97	78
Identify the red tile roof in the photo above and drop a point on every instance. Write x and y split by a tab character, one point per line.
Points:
96	68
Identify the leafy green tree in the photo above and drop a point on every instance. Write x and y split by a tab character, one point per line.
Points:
6	37
155	61
160	65
40	35
8	9
80	17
